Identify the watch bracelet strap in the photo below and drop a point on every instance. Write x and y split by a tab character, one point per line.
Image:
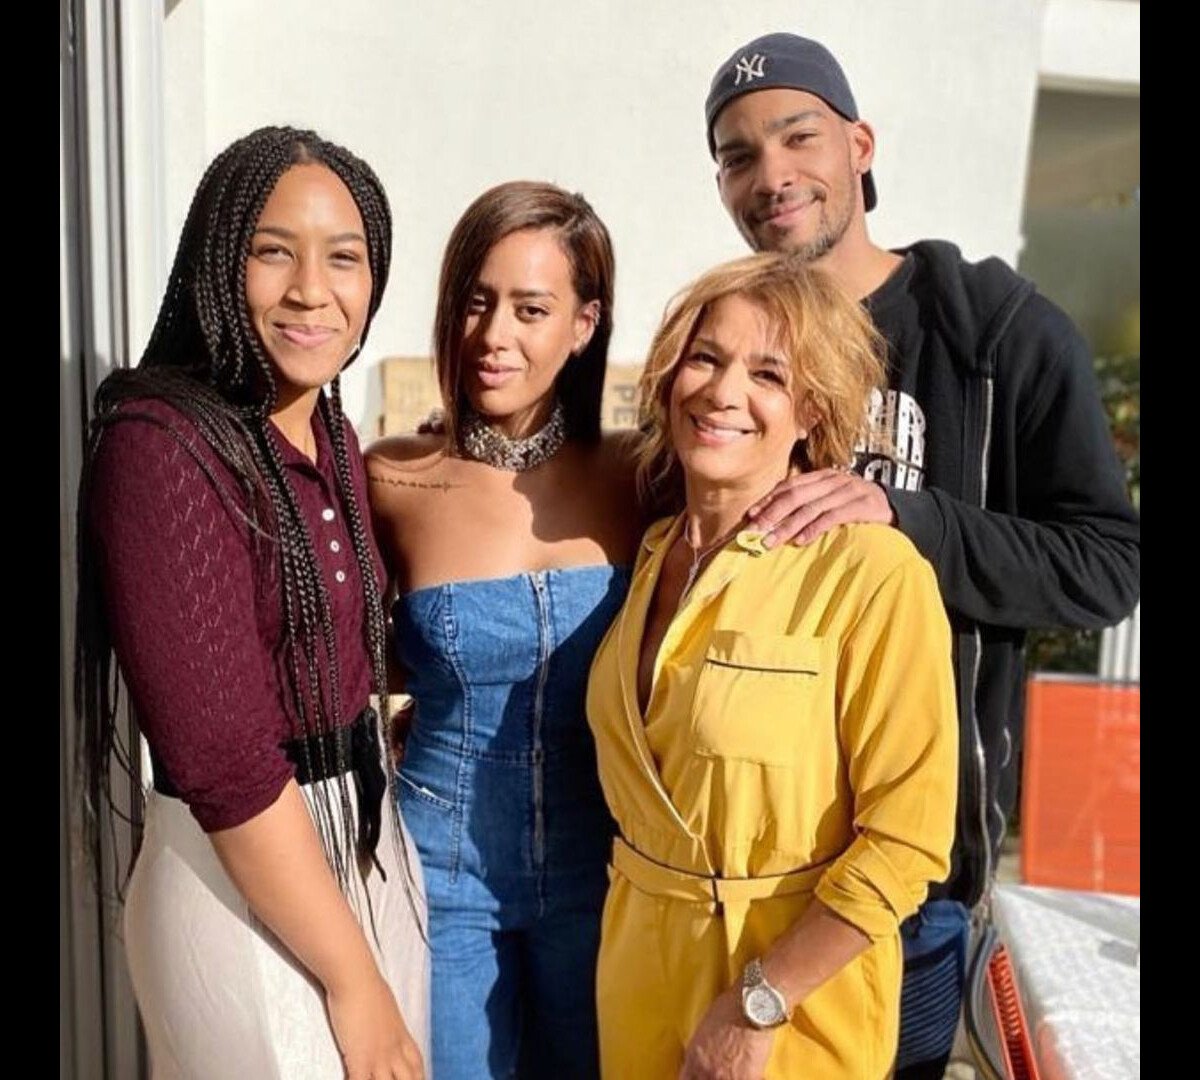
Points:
752	974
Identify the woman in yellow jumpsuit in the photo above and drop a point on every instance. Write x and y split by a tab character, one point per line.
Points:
775	727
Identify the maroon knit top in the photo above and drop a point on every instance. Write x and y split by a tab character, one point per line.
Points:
196	615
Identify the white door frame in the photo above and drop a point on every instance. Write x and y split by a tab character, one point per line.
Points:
111	272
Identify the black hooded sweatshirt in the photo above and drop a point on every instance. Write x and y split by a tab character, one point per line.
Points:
996	455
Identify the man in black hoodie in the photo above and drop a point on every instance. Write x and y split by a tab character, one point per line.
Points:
990	450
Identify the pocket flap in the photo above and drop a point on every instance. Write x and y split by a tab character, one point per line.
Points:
765	652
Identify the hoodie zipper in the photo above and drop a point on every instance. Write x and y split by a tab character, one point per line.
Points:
980	757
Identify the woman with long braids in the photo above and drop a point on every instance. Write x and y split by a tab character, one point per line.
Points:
274	919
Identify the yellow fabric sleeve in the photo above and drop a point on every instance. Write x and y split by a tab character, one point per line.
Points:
898	727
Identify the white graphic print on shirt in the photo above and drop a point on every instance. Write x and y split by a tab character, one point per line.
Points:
894	450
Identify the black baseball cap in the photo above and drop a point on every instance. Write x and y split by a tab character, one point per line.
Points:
793	63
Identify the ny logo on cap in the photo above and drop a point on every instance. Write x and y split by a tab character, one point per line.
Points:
751	67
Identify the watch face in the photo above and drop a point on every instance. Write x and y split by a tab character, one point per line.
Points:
762	1007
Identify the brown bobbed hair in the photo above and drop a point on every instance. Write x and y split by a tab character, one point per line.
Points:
834	352
497	213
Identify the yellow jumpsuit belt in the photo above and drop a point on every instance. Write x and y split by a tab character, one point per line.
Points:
657	879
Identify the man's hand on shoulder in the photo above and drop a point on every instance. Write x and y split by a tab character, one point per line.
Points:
804	506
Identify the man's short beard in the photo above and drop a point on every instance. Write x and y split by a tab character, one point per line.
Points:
823	243
828	236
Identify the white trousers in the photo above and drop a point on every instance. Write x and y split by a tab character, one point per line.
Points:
220	997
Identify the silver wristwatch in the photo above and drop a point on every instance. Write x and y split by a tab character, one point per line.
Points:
762	1004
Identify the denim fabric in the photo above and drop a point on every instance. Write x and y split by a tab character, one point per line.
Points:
935	959
499	789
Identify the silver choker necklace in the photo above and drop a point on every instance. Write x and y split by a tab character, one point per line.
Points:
484	443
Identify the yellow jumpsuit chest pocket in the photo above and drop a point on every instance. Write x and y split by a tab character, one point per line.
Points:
758	695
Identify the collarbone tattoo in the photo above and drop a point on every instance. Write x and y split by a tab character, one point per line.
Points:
429	485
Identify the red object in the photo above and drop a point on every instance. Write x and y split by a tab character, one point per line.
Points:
1081	786
1019	1062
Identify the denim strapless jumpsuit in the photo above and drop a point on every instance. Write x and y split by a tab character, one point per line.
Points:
499	789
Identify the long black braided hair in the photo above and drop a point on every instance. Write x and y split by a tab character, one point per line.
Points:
205	359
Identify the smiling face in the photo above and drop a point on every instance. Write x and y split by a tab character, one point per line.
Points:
523	324
731	409
308	279
789	170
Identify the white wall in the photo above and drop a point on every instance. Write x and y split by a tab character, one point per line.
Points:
1092	45
607	98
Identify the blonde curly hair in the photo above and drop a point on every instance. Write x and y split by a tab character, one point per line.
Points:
833	349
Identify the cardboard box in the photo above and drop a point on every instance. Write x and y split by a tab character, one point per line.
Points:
410	392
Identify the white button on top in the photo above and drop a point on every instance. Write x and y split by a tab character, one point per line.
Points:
340	576
327	514
334	546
